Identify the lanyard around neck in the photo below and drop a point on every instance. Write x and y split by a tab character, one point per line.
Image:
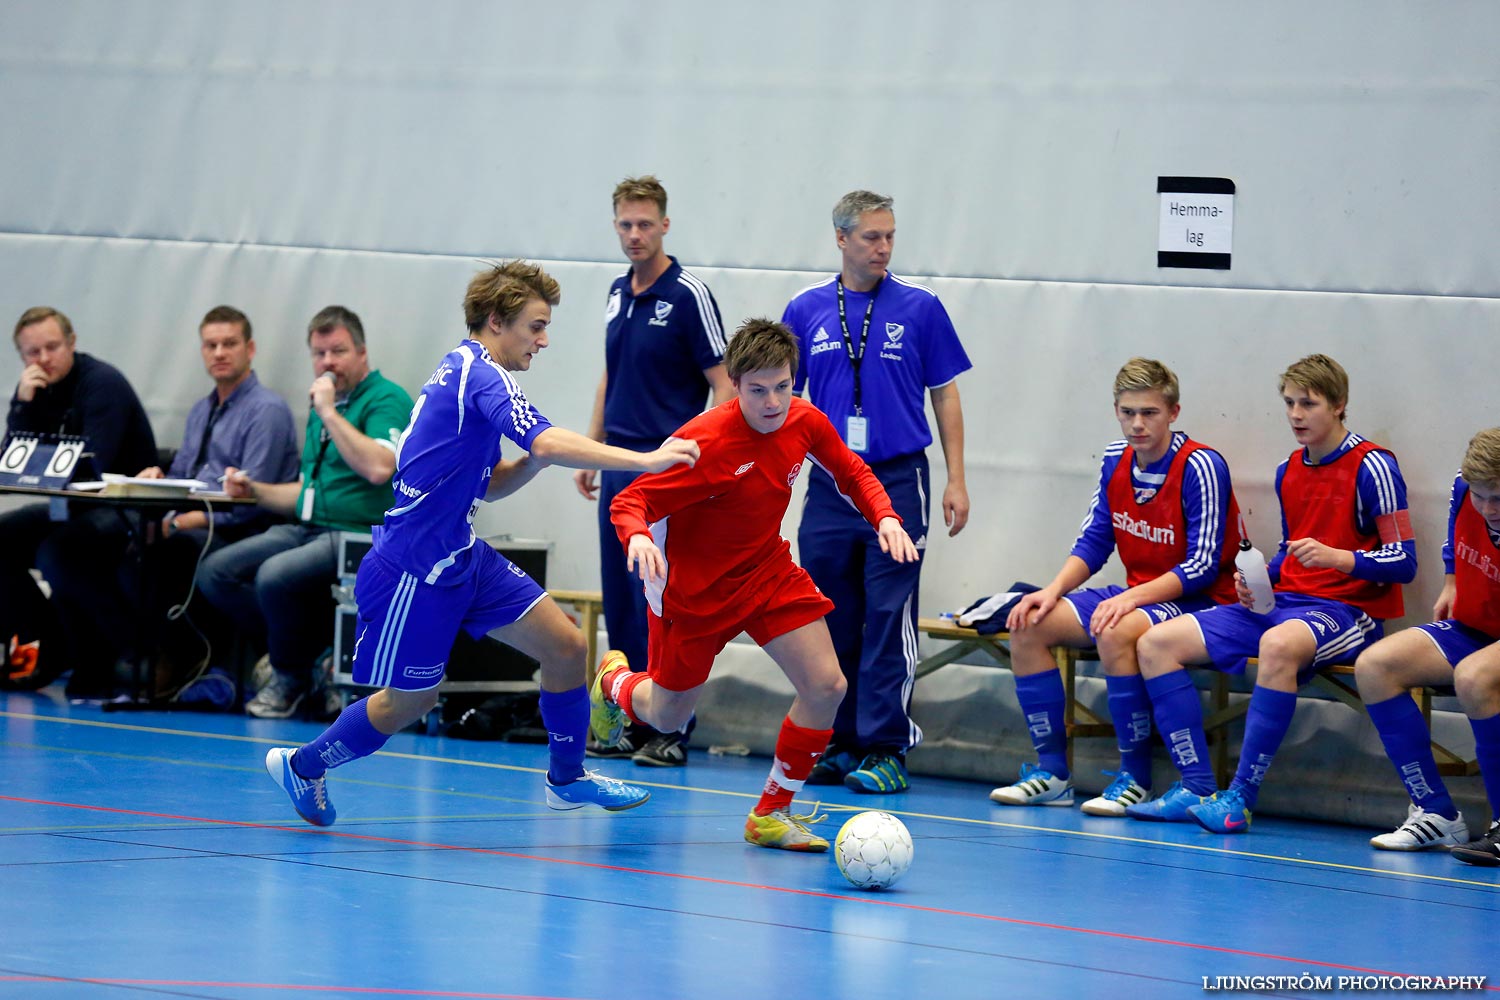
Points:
855	360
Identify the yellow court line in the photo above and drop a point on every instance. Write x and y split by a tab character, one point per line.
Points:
832	807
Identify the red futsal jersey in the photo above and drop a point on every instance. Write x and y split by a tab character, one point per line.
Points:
1151	537
1322	502
1476	573
718	523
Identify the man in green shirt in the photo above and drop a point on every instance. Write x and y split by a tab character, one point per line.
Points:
277	584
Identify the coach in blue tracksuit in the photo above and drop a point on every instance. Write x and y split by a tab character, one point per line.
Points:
872	345
663	354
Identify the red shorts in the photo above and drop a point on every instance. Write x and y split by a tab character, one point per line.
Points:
681	652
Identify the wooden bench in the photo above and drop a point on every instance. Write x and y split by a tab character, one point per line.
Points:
1078	719
1337	681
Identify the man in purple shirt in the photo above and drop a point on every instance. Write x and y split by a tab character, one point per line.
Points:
242	424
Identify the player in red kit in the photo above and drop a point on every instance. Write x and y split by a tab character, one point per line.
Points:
709	549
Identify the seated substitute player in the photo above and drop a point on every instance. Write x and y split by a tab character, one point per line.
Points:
1346	549
707	543
1458	647
426	578
1165	504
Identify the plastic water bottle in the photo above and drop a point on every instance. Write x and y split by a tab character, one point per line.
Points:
1252	566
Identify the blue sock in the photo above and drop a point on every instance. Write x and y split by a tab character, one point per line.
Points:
566	716
1266	723
1179	719
349	738
1487	753
1043	702
1403	733
1130	709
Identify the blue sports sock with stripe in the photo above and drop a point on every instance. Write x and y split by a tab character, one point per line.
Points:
1266	723
1179	719
1403	733
1487	754
1043	702
566	716
1130	710
349	738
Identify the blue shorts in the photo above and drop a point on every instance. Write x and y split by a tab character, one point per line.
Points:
1455	640
407	627
1231	632
1086	599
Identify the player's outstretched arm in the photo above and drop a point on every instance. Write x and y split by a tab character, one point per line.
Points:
645	559
559	446
587	480
510	475
895	541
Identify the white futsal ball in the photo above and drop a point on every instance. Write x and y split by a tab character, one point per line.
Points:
873	850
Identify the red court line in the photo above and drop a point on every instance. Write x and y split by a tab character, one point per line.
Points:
196	984
869	899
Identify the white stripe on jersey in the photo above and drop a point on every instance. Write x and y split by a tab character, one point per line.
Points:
910	284
712	328
398	511
809	457
656	589
522	416
449	560
463	384
1203	557
815	285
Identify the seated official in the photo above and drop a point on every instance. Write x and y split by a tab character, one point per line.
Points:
239	424
83	625
276	584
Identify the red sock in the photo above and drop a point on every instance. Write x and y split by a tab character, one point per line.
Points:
619	687
797	750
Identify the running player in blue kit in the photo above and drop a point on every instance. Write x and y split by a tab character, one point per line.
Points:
426	577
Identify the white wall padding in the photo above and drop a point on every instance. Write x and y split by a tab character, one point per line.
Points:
279	156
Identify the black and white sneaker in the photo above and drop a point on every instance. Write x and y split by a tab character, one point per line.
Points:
623	747
1423	831
1485	851
665	750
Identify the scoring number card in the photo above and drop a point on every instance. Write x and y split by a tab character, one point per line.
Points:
46	461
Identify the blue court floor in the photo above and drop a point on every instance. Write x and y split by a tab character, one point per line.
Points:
149	855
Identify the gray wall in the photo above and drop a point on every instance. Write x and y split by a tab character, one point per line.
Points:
165	157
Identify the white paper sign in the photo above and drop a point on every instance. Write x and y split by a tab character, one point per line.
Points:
1196	223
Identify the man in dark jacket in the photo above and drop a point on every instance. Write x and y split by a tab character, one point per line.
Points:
64	392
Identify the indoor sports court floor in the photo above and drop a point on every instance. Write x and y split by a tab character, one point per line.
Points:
146	855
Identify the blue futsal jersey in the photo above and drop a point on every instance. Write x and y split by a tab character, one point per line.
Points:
444	460
911	347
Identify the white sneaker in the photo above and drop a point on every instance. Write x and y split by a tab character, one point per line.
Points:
1423	831
1124	791
1035	787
